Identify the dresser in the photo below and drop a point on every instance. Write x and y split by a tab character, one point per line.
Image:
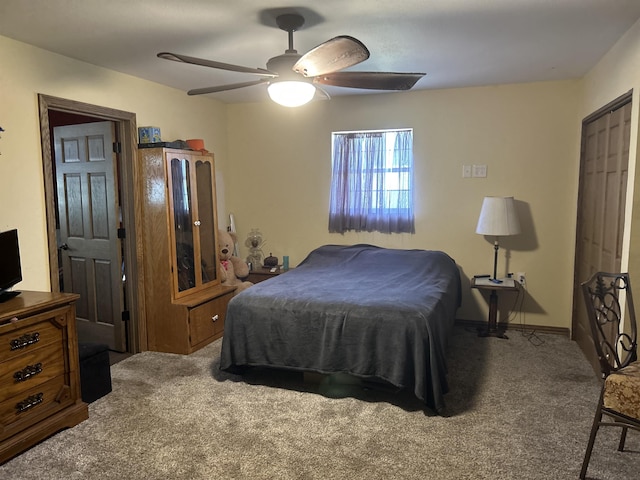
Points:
39	373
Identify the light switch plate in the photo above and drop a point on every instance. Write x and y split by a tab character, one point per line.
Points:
479	171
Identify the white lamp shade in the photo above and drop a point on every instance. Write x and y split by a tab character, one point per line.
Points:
498	217
291	93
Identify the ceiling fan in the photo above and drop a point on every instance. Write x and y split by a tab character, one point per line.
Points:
291	72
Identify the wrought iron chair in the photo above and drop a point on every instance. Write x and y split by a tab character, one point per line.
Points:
613	329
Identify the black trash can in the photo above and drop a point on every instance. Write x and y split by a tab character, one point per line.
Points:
95	371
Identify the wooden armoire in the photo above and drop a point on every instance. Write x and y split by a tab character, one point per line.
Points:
185	304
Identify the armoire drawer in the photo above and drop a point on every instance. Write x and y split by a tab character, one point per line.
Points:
207	320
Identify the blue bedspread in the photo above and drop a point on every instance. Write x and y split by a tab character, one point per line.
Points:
363	310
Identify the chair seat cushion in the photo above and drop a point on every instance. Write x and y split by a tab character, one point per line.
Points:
622	391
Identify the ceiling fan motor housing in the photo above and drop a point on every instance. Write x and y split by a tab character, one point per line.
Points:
283	66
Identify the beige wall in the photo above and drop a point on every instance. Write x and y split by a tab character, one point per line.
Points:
528	136
26	71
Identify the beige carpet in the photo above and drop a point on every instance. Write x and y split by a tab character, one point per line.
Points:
519	409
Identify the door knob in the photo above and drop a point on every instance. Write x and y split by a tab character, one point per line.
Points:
64	246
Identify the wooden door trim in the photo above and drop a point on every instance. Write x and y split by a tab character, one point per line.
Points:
126	129
608	108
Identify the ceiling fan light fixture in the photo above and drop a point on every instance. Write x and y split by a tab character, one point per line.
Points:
292	78
291	93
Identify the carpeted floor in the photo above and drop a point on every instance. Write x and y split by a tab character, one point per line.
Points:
518	409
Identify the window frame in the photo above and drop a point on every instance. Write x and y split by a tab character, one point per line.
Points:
346	210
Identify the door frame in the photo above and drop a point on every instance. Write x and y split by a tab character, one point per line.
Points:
128	175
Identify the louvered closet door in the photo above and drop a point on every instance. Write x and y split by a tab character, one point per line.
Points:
601	208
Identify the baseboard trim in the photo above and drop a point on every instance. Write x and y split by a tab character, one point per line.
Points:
517	327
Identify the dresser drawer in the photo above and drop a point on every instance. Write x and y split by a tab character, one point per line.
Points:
30	369
33	405
207	320
40	330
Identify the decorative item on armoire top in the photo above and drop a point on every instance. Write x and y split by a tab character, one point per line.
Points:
197	144
255	243
149	135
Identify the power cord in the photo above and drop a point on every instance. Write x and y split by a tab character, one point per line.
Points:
518	311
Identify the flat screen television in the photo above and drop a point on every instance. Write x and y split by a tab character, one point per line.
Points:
10	271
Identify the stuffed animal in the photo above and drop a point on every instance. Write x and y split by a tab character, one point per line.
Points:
232	268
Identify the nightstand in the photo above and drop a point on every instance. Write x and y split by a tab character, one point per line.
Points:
261	274
508	285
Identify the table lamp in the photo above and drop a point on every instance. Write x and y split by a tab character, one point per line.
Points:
498	218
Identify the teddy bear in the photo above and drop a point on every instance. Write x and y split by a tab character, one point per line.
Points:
232	268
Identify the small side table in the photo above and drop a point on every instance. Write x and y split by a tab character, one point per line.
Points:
492	329
261	274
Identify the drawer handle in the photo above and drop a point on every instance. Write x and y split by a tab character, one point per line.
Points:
215	318
28	371
29	402
25	340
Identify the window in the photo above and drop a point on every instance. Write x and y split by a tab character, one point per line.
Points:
372	182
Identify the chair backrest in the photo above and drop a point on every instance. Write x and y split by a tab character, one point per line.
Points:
606	294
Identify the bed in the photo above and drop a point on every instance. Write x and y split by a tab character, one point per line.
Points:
371	312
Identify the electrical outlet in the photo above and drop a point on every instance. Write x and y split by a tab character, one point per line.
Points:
521	277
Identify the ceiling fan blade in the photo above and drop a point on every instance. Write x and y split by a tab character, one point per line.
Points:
370	80
333	55
210	63
224	88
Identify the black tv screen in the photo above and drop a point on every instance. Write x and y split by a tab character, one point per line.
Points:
10	271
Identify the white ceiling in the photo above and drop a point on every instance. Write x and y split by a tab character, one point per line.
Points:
458	43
